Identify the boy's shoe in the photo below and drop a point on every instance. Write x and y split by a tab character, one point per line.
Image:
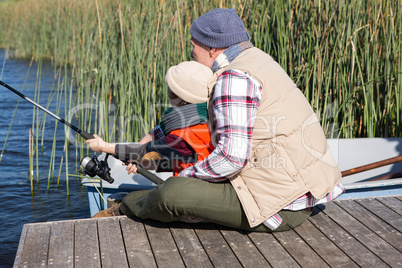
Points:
110	212
152	156
151	160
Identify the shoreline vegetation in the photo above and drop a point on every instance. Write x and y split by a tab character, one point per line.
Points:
343	55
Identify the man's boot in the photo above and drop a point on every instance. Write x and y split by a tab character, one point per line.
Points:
110	212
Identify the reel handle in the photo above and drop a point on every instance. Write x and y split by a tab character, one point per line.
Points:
140	170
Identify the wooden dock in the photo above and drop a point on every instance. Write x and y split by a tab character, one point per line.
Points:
347	233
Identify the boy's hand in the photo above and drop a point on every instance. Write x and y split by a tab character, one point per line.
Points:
98	144
148	161
131	168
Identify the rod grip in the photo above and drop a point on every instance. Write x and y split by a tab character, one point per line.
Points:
149	175
86	135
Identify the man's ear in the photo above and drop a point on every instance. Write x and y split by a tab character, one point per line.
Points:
215	52
212	51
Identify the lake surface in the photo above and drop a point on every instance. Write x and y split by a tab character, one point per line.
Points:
18	206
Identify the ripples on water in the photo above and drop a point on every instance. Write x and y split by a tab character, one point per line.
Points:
18	206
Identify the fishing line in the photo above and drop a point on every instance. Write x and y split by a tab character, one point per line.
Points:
16	106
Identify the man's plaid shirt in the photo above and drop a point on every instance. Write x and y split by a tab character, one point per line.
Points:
235	103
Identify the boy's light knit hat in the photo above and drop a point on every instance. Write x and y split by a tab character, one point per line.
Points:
188	80
219	28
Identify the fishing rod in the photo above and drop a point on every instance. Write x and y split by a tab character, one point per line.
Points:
92	166
83	134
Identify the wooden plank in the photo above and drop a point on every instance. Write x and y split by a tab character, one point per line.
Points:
382	211
375	224
392	202
368	238
61	245
86	249
162	244
191	250
216	246
272	250
299	250
343	240
20	249
331	254
363	232
244	248
138	250
36	246
113	253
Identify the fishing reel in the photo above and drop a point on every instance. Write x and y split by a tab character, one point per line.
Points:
93	167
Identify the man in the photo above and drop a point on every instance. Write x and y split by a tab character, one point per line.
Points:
271	161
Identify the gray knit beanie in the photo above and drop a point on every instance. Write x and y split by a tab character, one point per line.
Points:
219	28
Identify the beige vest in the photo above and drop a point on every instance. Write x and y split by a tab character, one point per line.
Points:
290	154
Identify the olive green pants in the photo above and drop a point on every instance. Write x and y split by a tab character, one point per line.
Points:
179	197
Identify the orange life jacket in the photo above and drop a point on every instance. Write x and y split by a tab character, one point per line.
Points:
199	138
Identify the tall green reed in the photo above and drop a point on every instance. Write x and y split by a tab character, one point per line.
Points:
343	55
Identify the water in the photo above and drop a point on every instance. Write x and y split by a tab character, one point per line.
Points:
18	206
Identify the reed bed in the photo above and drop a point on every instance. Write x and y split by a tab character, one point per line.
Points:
344	56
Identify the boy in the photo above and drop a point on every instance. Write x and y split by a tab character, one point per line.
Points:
182	137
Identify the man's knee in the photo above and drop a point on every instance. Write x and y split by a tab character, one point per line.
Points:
172	189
